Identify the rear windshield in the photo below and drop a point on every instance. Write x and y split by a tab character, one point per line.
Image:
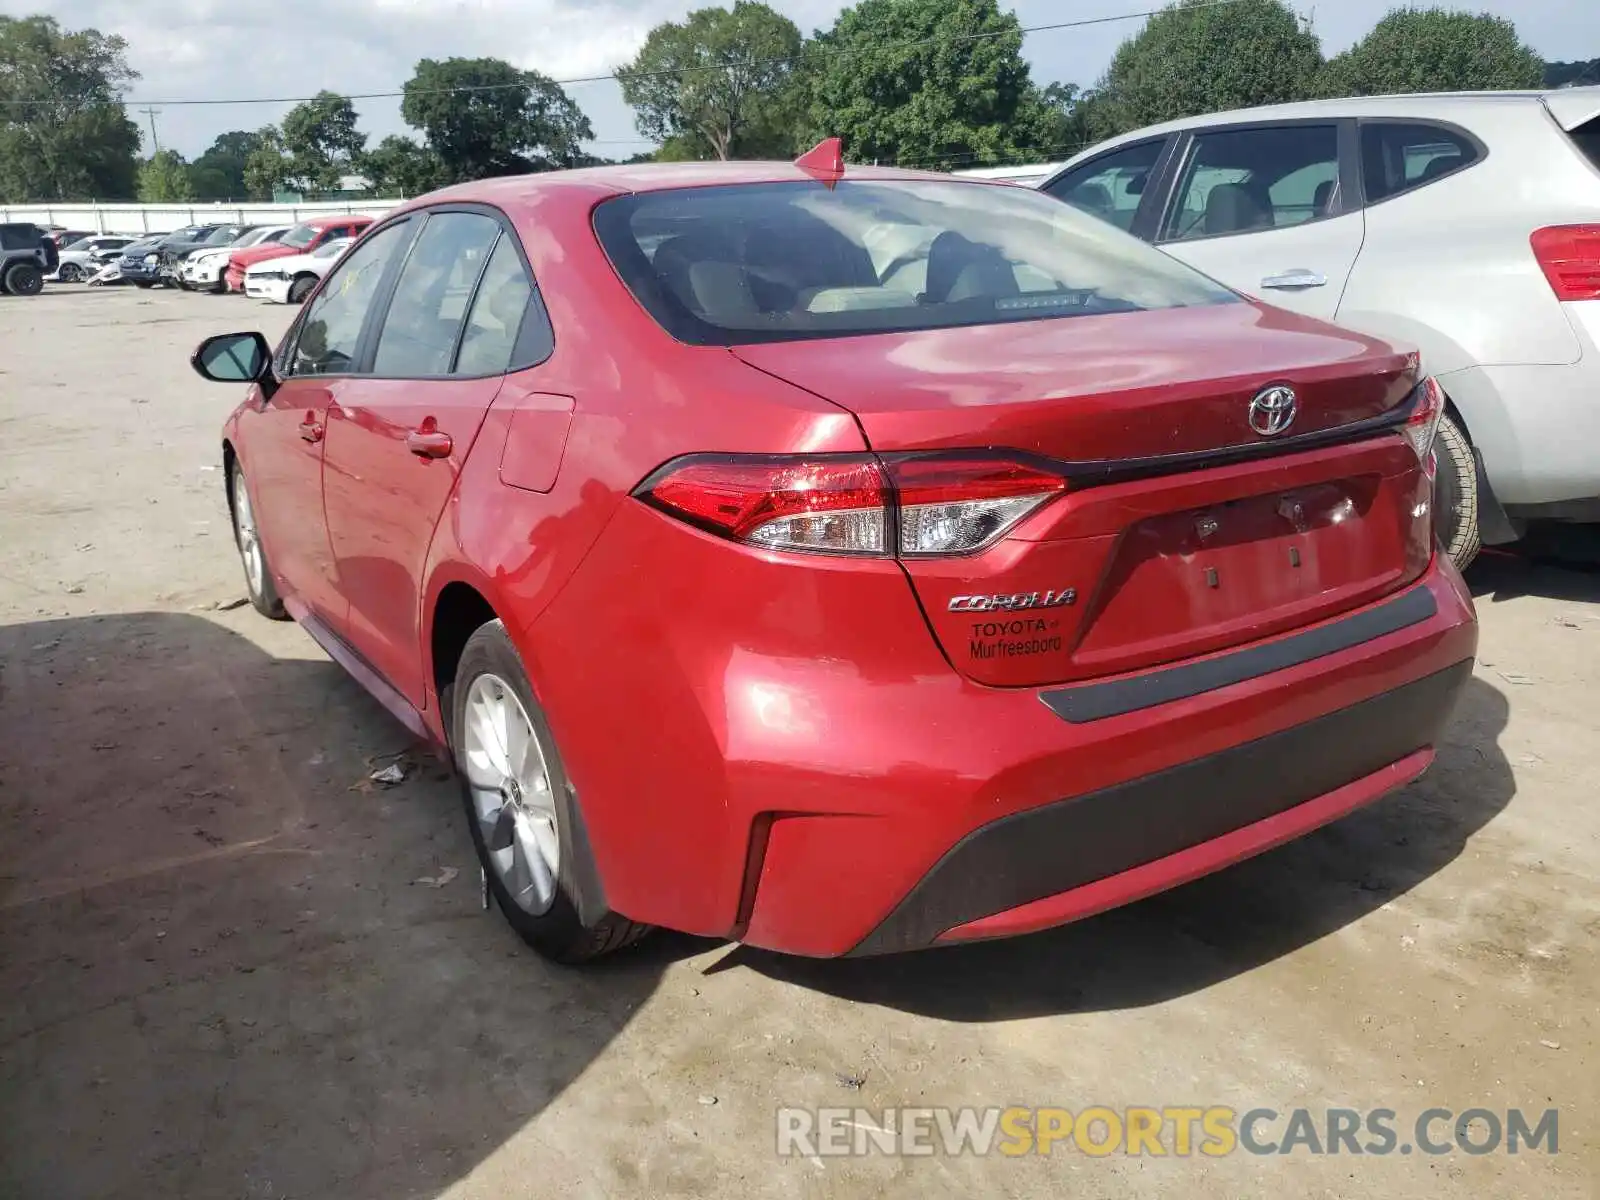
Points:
782	261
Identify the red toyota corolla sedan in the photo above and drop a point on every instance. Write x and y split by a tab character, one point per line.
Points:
845	561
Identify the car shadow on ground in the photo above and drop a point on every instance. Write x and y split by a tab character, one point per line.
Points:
1557	569
1224	925
225	972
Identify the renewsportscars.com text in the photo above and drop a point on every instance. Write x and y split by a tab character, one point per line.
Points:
1214	1131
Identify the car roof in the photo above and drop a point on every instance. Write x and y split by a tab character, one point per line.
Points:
1435	105
512	191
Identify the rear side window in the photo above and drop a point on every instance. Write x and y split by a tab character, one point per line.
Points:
497	313
1399	157
19	237
780	261
430	301
1112	186
1247	180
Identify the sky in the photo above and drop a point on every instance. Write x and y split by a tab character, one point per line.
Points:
225	49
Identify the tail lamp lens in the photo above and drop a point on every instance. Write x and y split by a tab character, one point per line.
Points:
956	506
1423	424
1569	256
848	504
823	505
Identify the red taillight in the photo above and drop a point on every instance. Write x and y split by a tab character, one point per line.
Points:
852	504
1569	255
835	505
1423	424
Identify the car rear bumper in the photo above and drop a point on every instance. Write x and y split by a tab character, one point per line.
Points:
806	773
1067	860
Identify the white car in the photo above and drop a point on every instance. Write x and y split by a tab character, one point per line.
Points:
1464	224
78	260
204	269
290	280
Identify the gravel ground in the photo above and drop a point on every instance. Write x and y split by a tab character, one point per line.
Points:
228	972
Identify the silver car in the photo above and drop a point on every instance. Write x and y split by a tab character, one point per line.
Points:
1466	224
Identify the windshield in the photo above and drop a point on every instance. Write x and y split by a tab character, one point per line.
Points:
332	250
769	262
300	236
221	236
84	243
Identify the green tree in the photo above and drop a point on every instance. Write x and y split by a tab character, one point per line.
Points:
322	142
483	117
218	174
1432	50
1196	57
63	133
399	166
719	84
268	168
926	83
164	178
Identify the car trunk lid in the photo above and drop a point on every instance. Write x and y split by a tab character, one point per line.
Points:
1184	528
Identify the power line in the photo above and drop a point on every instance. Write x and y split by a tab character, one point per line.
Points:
754	62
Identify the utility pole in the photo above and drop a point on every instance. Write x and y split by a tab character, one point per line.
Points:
155	142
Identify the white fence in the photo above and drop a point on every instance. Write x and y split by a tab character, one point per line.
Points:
159	218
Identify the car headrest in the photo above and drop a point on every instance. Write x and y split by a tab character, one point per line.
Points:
1231	208
1322	198
1093	197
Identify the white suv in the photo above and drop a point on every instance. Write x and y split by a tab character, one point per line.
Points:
1465	224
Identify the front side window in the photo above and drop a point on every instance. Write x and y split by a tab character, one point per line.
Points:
430	300
780	261
1248	180
1398	157
331	331
1112	186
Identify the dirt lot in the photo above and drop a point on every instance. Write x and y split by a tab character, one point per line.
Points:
225	973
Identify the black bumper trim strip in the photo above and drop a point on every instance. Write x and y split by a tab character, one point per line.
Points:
1097	701
1056	847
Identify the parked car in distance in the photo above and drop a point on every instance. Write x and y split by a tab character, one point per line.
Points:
66	237
844	561
27	255
85	256
141	263
290	280
204	269
1467	224
304	237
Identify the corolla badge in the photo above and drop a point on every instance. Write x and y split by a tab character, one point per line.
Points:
1273	410
1015	602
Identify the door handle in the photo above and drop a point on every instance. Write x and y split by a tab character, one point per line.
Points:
1298	278
311	428
429	441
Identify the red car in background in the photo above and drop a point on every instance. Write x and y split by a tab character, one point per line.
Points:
302	239
845	561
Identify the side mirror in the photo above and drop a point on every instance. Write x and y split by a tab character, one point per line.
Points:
234	358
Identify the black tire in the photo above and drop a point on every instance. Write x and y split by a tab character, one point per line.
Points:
144	283
559	933
263	592
24	279
70	273
300	287
1455	494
